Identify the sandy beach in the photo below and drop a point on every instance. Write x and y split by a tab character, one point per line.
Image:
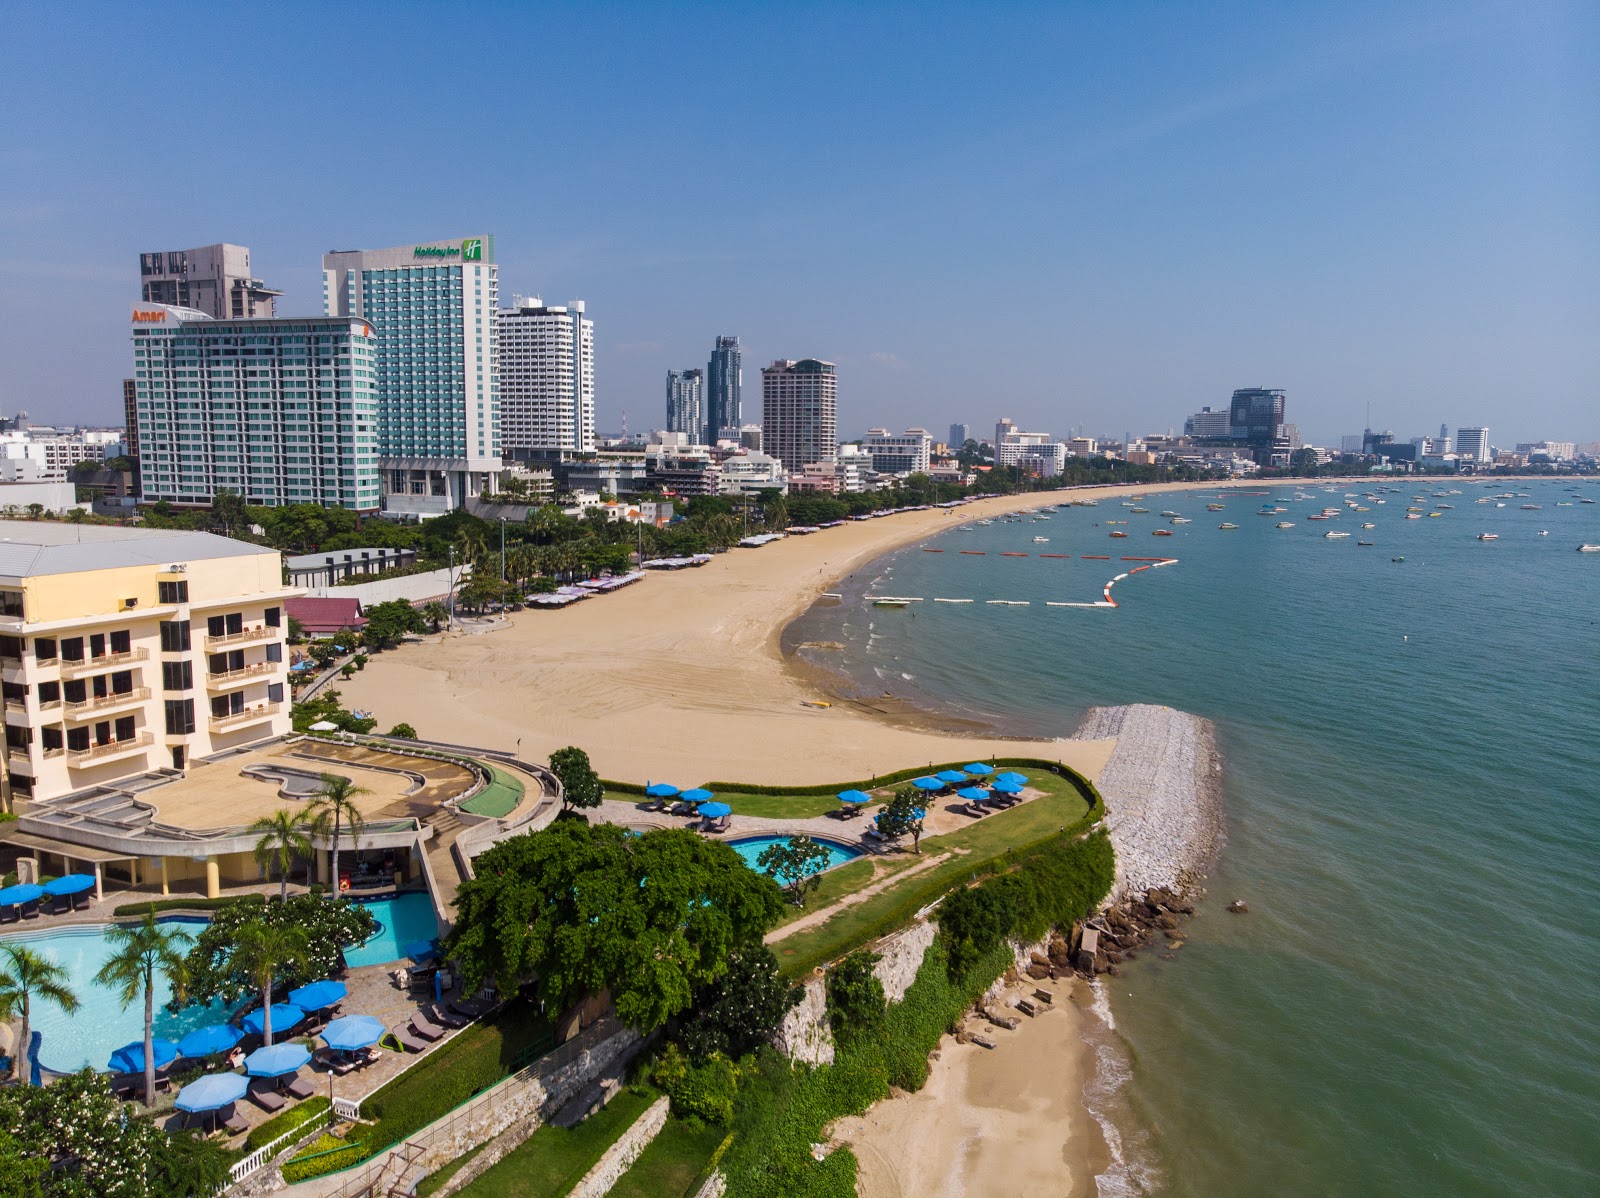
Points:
1003	1121
681	676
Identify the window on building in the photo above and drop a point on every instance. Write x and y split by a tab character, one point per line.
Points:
122	682
97	645
275	692
11	604
275	651
75	690
216	626
174	637
180	717
77	738
122	641
50	737
44	648
126	728
273	616
49	693
173	592
72	648
235	621
177	675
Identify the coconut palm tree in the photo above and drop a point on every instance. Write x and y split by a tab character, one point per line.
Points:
261	953
25	973
332	810
139	952
435	613
282	839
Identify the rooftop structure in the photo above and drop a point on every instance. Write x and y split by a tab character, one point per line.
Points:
214	279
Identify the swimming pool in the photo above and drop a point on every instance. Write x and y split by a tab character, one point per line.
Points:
750	849
102	1024
401	919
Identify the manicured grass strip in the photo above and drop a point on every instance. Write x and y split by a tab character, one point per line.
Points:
499	798
296	1116
435	1181
554	1159
672	1163
835	884
784	806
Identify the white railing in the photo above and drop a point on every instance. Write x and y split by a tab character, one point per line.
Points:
244	1167
347	1108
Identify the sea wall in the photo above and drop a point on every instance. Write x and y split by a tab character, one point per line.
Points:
1162	788
597	1182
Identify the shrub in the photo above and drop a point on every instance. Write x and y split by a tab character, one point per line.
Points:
403	732
855	995
187	904
325	1154
296	1116
704	1091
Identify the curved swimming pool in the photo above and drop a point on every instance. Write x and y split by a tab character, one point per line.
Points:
750	848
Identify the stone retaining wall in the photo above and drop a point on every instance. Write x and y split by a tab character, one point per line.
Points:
617	1160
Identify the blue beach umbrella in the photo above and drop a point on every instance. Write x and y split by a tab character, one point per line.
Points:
71	884
977	767
1014	777
697	795
284	1017
276	1060
209	1040
715	810
972	793
1008	788
855	797
130	1057
353	1031
316	995
948	776
927	783
421	950
25	892
660	790
212	1092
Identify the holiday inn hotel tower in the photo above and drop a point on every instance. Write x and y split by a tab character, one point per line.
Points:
432	306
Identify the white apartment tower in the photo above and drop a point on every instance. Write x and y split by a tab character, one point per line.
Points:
799	410
1472	444
433	309
546	379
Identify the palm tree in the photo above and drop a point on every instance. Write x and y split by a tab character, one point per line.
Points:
263	952
23	974
333	808
139	952
283	838
435	613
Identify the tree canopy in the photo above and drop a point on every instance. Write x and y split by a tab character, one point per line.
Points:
580	785
795	864
902	815
584	908
218	969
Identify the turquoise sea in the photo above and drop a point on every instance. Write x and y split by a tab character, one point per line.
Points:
1412	791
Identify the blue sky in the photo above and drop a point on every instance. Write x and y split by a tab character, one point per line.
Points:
1078	215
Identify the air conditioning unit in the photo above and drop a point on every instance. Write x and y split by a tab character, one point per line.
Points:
127	603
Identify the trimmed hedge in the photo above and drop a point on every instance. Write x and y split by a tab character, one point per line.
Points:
325	1154
295	1116
187	904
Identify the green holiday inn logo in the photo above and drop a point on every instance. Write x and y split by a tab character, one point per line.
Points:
470	250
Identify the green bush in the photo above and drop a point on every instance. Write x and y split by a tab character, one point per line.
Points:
278	1125
706	1091
855	996
325	1154
186	904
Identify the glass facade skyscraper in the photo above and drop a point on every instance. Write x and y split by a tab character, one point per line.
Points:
433	308
686	404
724	381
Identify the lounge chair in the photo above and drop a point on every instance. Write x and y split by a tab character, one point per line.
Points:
972	810
402	1035
444	1017
300	1088
236	1123
268	1100
684	809
425	1026
471	1008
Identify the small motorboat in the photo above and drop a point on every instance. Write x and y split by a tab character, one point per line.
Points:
1369	526
1041	540
1227	526
1119	534
1335	536
1589	548
1398	559
1285	523
1161	532
1488	536
1368	544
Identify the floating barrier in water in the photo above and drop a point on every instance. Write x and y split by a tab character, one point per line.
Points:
925	549
976	552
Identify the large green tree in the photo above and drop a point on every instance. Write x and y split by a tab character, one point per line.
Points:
902	816
280	839
388	622
333	810
795	864
580	785
139	952
579	908
264	954
737	1012
217	971
26	974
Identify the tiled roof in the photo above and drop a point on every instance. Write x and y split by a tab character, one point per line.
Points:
325	615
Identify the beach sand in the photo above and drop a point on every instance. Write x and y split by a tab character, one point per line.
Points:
1003	1121
681	677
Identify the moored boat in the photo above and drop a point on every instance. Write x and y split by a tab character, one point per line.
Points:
1227	526
1488	536
1589	548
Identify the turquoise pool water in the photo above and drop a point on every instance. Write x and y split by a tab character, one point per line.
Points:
750	849
401	919
101	1024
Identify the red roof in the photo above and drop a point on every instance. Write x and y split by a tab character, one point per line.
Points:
325	615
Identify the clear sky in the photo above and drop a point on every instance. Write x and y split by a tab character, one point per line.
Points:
1077	214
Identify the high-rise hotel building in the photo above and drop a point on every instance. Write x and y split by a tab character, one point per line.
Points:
279	411
432	306
546	379
686	409
799	402
724	383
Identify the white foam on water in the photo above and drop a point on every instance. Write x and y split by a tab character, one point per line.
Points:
1131	1172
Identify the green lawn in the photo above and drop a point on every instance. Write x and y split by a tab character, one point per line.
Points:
974	845
836	883
764	806
553	1159
499	798
671	1164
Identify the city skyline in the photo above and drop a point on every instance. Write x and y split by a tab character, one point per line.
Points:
1069	188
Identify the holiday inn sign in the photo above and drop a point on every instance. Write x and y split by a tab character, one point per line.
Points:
470	250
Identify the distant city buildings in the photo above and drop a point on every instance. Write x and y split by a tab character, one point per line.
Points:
960	434
799	402
214	279
434	307
1472	444
751	472
546	373
724	410
1255	418
279	411
1209	425
686	412
899	453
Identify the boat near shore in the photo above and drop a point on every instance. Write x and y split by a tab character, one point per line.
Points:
1285	523
1227	526
1589	548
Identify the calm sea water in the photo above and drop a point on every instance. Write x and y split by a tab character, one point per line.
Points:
1412	756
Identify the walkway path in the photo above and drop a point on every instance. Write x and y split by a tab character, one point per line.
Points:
823	914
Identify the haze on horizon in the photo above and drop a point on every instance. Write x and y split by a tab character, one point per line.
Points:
1079	216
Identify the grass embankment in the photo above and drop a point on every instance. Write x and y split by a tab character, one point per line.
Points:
554	1159
499	798
673	1163
982	847
471	1062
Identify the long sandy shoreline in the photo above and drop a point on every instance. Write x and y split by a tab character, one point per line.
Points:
682	678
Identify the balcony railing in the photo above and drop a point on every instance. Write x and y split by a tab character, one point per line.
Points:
106	661
263	632
250	715
101	702
254	670
111	748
